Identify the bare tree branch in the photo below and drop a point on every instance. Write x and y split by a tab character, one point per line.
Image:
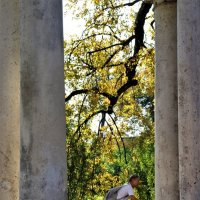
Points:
122	43
76	92
112	132
121	5
124	147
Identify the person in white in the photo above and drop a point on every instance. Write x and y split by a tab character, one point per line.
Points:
126	192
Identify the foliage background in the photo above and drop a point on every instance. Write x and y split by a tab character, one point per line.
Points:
109	73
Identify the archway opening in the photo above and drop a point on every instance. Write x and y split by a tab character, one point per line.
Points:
109	79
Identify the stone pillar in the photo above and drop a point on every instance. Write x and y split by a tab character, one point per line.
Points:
43	159
9	99
166	167
189	97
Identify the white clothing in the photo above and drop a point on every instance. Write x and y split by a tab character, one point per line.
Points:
125	192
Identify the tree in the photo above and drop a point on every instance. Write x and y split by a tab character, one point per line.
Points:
109	73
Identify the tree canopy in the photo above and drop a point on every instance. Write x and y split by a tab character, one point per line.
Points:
109	77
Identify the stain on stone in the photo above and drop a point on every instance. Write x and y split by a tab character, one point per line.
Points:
43	184
36	2
26	169
186	150
29	88
29	92
5	185
56	33
38	13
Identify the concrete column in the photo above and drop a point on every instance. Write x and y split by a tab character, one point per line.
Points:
166	167
9	99
43	159
189	97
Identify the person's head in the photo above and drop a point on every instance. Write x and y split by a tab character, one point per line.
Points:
134	180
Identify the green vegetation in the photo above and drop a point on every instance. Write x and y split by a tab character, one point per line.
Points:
109	73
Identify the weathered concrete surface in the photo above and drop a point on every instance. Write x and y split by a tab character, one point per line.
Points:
189	97
166	168
9	99
43	159
157	2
